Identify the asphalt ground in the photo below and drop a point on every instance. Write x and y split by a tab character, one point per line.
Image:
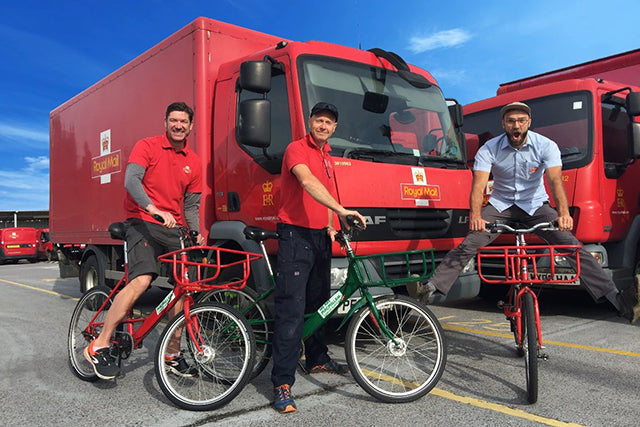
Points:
591	377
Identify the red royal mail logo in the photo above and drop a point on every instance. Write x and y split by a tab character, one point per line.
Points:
103	165
420	192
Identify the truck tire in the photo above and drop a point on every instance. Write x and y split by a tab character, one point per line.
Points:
91	275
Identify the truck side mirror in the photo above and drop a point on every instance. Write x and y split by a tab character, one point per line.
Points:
255	76
455	111
253	125
634	140
633	104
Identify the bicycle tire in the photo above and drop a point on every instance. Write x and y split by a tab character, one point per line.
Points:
258	317
396	373
78	338
224	367
530	346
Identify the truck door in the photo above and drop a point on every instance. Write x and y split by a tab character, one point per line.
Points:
619	192
253	186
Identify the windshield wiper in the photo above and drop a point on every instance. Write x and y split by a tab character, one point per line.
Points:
356	153
437	159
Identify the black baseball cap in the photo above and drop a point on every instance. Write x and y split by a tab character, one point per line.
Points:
324	106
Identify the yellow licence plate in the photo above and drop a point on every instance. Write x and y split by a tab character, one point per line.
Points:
12	246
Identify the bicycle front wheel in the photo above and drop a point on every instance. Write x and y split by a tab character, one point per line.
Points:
530	345
86	324
216	373
404	367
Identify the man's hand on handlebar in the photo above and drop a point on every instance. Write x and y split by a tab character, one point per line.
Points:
477	224
355	215
565	222
164	217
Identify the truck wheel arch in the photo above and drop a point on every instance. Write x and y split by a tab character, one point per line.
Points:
92	268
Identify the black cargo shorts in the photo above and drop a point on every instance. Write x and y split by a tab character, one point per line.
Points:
146	241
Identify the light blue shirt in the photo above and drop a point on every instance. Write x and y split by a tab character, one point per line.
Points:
518	174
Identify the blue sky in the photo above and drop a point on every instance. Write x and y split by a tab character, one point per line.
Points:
51	50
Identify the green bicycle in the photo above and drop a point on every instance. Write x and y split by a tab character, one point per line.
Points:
394	345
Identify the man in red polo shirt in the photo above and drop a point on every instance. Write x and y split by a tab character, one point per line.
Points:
303	279
163	179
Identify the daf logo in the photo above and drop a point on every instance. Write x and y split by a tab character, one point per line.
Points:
376	220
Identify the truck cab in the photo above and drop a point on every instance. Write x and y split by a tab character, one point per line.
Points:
397	158
594	123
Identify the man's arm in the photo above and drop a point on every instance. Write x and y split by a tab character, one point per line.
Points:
315	189
192	214
478	186
133	184
554	180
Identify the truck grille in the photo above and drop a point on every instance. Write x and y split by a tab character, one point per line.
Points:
419	223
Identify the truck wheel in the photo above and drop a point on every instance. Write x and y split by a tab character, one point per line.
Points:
90	274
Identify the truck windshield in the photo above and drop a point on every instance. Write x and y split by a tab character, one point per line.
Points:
382	117
565	118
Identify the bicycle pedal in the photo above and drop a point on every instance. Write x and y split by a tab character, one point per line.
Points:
543	356
500	305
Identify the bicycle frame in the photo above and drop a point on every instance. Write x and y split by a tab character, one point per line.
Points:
520	277
146	324
357	275
139	328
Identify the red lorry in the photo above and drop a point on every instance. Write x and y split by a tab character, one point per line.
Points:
18	243
397	158
591	111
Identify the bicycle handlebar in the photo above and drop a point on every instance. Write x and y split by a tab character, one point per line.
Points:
497	227
184	231
354	223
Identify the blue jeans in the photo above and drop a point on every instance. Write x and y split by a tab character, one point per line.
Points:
303	284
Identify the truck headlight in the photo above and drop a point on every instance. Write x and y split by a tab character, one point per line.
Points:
598	256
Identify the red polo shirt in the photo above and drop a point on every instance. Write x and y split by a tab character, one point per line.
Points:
297	207
169	174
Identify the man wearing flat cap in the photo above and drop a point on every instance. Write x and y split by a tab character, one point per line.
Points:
308	203
519	159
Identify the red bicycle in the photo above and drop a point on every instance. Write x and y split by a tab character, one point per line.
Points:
214	338
525	266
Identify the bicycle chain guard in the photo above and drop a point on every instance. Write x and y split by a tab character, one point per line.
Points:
124	345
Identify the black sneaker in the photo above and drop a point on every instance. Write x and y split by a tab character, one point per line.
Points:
331	367
179	366
629	306
103	364
283	402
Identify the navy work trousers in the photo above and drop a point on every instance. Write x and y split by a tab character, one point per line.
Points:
303	284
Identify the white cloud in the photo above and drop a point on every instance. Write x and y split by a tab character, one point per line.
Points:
26	188
20	133
447	38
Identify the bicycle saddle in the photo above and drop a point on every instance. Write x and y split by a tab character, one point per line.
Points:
259	234
117	230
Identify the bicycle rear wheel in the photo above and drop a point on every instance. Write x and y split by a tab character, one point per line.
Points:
218	372
244	300
80	334
401	369
530	345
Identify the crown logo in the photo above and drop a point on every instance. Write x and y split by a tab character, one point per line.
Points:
267	186
419	177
